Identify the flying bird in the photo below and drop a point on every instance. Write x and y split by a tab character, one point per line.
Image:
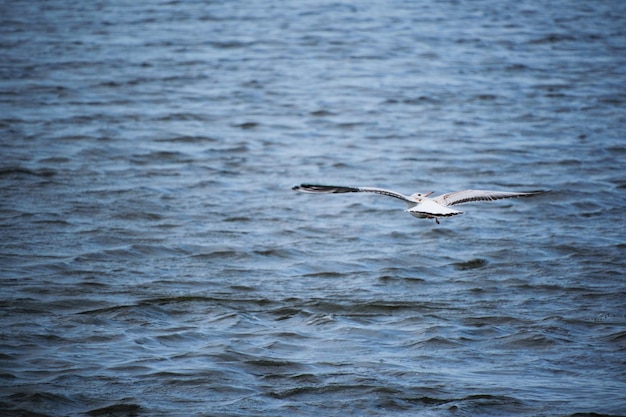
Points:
420	205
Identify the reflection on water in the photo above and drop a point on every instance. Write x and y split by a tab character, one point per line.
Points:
155	261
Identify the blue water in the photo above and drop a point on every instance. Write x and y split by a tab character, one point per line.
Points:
155	261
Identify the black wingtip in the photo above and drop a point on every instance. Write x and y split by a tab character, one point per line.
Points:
325	189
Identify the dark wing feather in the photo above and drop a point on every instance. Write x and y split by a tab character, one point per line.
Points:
329	189
334	189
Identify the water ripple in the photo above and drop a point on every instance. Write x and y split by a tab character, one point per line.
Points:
155	261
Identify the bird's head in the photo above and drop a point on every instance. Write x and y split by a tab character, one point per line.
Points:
418	197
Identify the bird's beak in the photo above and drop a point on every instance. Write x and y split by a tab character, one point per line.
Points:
427	194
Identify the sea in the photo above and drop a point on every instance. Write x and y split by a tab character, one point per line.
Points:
155	261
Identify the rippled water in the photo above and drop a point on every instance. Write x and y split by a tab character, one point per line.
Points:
154	260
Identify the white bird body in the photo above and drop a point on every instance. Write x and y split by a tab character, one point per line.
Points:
420	205
429	208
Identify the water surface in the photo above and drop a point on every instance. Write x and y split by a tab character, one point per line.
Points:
154	260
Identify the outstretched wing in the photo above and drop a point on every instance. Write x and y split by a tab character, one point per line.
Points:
467	196
333	189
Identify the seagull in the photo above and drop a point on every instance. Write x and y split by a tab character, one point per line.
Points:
420	205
